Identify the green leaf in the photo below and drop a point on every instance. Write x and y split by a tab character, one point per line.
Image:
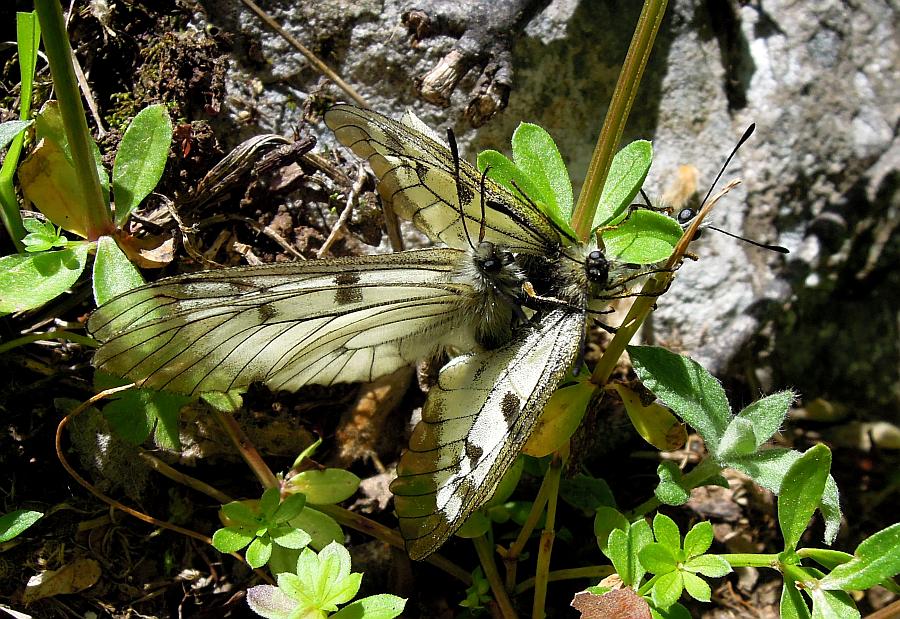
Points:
623	550
289	508
801	492
768	468
259	551
269	502
627	173
739	439
586	493
42	235
687	388
712	566
696	587
321	527
141	158
135	413
324	487
875	559
10	129
241	512
382	606
767	414
232	539
340	586
113	272
670	491
792	605
666	532
645	237
271	602
698	539
291	538
14	523
475	525
667	589
28	41
229	402
659	558
605	521
833	605
675	611
307	453
537	155
29	281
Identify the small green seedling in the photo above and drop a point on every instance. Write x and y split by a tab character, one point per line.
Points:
320	584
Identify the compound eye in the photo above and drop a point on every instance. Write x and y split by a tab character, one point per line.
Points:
491	265
685	215
596	256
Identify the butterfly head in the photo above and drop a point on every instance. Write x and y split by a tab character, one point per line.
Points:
596	267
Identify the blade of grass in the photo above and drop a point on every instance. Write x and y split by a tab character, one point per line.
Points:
617	115
28	38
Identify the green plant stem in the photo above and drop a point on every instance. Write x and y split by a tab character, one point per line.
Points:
752	560
50	335
28	37
389	536
246	448
501	596
617	115
511	556
542	570
696	477
593	572
97	217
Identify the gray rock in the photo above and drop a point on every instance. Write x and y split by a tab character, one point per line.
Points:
820	175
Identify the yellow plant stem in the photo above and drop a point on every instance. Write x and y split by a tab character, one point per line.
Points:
617	115
389	536
486	556
542	571
511	556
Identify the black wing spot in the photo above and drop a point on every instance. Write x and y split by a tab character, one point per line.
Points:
346	292
473	453
510	407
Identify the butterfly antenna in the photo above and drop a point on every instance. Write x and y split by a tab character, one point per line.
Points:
776	248
734	151
481	195
688	213
646	198
454	150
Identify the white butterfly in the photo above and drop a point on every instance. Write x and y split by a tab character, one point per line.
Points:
355	319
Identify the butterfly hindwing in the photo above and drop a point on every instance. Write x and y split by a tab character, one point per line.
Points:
474	423
288	325
417	176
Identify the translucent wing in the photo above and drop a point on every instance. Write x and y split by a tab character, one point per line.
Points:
417	175
288	325
473	426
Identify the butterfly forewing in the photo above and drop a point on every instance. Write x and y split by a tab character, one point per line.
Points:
473	426
417	175
317	322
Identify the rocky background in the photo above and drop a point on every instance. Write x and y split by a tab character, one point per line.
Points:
820	174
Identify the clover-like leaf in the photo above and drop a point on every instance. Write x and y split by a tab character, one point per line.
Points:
658	558
14	523
875	559
259	551
289	537
382	606
696	587
269	503
666	532
711	566
698	539
667	589
289	508
232	539
645	237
